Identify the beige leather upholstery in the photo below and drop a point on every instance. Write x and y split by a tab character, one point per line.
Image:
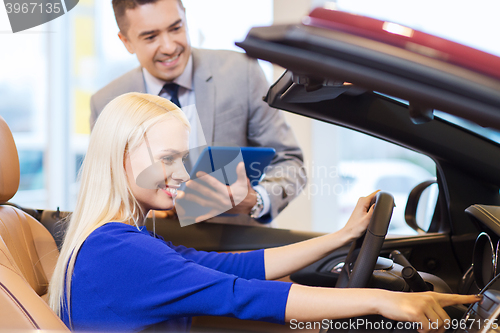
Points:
31	246
28	254
21	307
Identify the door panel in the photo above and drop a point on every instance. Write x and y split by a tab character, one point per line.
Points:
226	237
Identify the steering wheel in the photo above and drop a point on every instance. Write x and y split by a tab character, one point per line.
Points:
358	268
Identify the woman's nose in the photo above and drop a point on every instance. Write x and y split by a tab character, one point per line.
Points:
181	174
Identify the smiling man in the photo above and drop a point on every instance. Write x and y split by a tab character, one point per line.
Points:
226	87
159	41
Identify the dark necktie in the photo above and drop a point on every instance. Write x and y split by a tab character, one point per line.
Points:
173	90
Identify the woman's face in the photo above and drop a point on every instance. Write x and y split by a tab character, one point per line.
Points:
155	169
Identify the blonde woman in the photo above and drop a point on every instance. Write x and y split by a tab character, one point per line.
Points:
112	274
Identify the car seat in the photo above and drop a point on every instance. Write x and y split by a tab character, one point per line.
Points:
28	254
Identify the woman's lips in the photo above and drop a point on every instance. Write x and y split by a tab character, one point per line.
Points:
170	191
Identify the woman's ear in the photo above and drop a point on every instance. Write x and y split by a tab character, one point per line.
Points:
125	158
127	165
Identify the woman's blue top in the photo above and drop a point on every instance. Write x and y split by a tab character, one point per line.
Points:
126	280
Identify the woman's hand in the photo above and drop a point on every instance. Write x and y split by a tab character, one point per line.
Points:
284	260
425	308
360	217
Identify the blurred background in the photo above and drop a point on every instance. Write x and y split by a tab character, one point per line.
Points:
48	73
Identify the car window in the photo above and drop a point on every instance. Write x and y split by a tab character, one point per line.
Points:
342	166
31	168
396	184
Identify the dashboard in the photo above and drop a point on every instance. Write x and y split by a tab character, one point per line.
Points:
484	259
484	274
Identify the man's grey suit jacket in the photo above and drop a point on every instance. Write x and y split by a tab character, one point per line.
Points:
229	88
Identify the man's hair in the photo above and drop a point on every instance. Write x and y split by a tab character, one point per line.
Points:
121	6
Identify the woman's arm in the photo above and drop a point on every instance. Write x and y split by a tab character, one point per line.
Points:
315	304
284	260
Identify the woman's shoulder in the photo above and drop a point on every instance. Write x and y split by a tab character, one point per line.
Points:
116	235
116	246
113	230
117	228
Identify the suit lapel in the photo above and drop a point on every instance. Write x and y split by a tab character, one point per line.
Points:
138	83
205	93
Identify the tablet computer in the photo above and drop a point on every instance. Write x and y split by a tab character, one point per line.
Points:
220	163
215	158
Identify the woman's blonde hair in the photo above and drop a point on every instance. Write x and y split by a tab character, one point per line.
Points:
105	194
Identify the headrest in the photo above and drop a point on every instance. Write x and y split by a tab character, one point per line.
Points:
9	164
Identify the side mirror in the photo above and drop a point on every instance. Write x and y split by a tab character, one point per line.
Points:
421	205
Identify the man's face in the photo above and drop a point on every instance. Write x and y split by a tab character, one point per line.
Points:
157	34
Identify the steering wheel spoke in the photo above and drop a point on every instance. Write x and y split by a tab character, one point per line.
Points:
364	252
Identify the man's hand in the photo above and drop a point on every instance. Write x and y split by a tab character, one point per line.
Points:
213	194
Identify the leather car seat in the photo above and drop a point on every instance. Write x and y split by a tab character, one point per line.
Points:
28	254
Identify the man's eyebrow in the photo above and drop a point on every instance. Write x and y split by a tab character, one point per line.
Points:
150	32
146	33
175	23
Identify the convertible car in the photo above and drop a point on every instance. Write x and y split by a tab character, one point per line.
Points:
426	94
